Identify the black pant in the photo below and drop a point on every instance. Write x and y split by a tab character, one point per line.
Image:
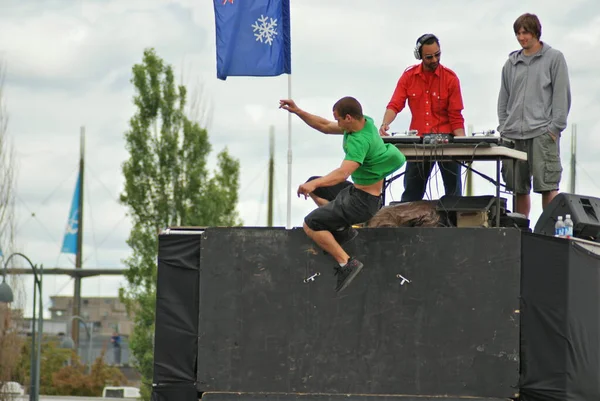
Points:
417	174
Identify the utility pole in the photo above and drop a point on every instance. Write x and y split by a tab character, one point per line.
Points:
78	255
271	175
573	158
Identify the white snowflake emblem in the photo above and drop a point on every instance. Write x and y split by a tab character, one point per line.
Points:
72	225
265	29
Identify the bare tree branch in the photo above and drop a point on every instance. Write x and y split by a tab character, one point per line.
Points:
10	314
199	109
7	175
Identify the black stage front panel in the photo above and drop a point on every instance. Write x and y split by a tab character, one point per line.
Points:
452	328
560	322
176	332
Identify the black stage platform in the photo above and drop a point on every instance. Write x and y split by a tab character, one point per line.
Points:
436	313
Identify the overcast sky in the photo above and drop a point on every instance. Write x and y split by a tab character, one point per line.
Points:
69	65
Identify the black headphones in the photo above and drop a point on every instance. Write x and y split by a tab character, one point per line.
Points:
420	41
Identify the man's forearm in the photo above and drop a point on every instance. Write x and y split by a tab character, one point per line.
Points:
560	111
316	122
335	177
501	119
457	122
503	96
561	97
388	117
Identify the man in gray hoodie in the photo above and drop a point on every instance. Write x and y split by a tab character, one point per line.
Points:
534	101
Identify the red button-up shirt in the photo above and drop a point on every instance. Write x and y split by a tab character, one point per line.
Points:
434	99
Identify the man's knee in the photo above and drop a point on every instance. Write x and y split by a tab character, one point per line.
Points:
314	177
314	223
306	228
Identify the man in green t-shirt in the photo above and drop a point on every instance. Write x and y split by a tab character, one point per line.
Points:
368	160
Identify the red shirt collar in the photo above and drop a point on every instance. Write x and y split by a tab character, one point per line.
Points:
419	70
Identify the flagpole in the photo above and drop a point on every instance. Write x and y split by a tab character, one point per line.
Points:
289	160
78	255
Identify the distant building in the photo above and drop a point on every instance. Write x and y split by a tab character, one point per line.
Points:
108	314
50	327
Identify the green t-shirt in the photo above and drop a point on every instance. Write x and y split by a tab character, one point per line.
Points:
377	159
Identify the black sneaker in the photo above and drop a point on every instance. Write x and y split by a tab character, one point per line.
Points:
347	273
345	236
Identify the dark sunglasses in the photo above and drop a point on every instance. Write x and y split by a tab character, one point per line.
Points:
430	56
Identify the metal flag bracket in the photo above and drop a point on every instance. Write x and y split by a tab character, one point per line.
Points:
312	278
403	279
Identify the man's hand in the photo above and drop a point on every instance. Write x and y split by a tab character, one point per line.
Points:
459	132
383	130
553	135
306	188
289	105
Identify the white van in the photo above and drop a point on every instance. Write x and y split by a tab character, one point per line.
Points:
121	392
12	389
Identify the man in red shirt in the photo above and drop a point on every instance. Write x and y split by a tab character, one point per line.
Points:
435	101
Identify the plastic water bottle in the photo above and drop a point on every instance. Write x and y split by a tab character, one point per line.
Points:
568	226
559	227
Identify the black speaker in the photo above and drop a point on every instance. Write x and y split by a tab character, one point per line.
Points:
584	211
471	211
470	203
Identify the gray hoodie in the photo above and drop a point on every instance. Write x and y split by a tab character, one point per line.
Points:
535	94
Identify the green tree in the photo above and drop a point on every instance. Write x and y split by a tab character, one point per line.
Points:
75	380
10	342
62	373
10	346
7	176
53	359
167	183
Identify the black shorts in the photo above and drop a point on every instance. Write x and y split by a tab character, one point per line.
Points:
350	206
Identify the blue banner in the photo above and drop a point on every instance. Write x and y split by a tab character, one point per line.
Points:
70	240
253	38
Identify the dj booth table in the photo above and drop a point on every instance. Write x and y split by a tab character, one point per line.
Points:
461	153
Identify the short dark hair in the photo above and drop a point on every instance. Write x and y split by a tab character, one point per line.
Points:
530	23
429	39
426	39
348	106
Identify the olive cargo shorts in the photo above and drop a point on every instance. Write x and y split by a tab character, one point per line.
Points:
543	164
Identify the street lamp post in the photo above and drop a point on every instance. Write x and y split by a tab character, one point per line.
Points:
69	343
6	295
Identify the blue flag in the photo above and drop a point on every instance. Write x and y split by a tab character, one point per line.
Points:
70	240
253	38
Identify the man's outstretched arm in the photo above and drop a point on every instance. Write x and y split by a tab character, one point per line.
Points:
319	123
